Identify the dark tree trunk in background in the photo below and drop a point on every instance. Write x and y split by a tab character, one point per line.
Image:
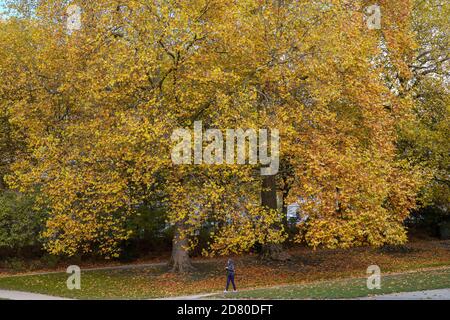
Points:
275	252
285	206
2	184
269	192
271	251
180	260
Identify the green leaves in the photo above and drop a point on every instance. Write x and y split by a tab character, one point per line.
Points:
20	223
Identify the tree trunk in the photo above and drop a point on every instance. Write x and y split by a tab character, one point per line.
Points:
275	252
180	261
269	192
2	184
271	251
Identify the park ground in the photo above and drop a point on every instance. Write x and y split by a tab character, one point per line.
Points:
311	274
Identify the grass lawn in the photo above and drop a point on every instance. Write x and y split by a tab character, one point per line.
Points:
350	288
311	274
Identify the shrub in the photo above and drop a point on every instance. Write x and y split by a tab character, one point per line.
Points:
20	224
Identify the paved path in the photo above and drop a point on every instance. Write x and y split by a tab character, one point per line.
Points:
18	295
442	294
119	267
193	297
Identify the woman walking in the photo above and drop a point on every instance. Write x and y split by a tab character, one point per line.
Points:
230	275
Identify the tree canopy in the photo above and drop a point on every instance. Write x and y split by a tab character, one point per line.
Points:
87	117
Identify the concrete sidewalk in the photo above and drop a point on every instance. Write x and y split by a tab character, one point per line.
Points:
19	295
441	294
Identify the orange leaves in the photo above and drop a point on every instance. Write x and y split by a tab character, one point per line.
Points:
96	110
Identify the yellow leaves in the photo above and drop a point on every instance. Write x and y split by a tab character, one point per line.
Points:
251	226
96	112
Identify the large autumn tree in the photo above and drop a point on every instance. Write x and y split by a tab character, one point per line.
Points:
96	109
424	138
314	68
105	100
